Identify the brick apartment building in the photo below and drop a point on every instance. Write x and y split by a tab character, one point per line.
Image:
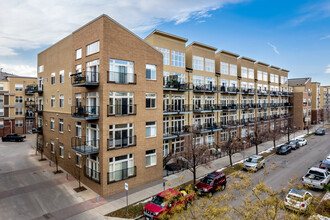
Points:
325	103
112	105
17	104
316	102
302	101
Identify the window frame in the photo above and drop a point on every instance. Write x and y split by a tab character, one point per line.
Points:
151	154
151	127
152	97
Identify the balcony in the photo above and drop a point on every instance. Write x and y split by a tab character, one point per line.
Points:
229	90
210	88
30	104
262	119
247	121
262	92
37	130
40	89
274	105
229	107
88	113
247	106
174	132
39	109
172	85
92	174
81	146
247	91
274	93
123	174
207	127
31	89
121	77
177	109
168	134
118	143
203	108
230	123
274	117
121	110
30	115
85	79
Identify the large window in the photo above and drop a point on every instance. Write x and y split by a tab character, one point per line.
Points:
78	53
209	65
151	72
18	99
259	75
52	79
166	55
62	76
178	59
18	123
1	111
78	129
52	146
151	129
265	76
18	87
224	67
251	73
52	101
60	125
121	167
29	123
61	101
18	111
2	98
233	69
1	124
244	73
121	71
198	63
150	100
121	135
93	48
61	150
78	160
52	123
151	158
1	87
41	69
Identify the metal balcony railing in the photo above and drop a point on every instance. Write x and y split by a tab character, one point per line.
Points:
175	85
229	107
121	110
122	174
85	147
178	109
118	143
245	91
29	115
85	112
262	92
92	174
121	77
31	89
85	78
30	103
203	108
205	88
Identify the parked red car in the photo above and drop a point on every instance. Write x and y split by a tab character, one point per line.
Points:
166	202
211	183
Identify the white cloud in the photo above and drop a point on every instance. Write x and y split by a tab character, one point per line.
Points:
31	24
21	70
274	48
325	37
327	70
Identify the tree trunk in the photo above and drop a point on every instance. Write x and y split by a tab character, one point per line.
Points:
194	174
230	160
256	149
288	135
274	142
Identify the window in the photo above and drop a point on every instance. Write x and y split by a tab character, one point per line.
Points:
151	72
69	127
2	98
78	129
18	123
78	53
265	77
52	146
1	124
151	129
29	123
121	167
52	101
69	154
1	111
18	87
18	111
69	101
93	48
18	99
244	72
251	73
272	78
41	69
166	55
78	160
224	68
60	125
52	123
150	100
62	76
276	78
61	101
259	75
209	65
52	78
198	63
1	86
233	70
151	158
178	59
78	68
61	151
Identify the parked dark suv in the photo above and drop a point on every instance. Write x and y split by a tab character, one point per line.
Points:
320	132
211	183
13	137
293	144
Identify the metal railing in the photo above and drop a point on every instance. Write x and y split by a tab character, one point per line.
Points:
205	88
203	107
30	103
31	89
177	108
121	77
247	90
122	174
118	143
29	114
88	112
92	174
119	110
85	147
85	78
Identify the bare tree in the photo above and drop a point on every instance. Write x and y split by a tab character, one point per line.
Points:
275	134
258	137
231	146
55	159
77	174
289	128
195	152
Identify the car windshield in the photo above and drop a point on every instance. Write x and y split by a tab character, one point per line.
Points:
316	173
292	142
207	180
294	197
252	160
283	148
160	201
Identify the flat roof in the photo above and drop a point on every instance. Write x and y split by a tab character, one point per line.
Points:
275	67
228	53
261	63
162	33
248	59
285	70
202	45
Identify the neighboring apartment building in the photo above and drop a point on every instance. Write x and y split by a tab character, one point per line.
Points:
325	103
17	104
102	106
302	101
316	102
218	94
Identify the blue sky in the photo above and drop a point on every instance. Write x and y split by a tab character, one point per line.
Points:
293	35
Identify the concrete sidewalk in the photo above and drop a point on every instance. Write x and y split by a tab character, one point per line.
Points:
142	193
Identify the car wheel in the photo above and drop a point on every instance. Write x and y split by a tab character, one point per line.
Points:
223	186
